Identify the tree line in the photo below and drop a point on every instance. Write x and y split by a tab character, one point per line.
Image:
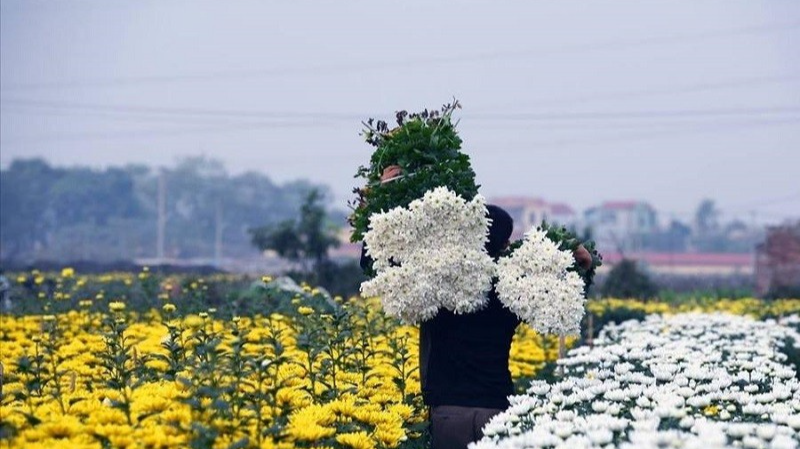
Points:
66	214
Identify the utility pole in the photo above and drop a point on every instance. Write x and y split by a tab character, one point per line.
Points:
752	235
670	242
162	215
218	234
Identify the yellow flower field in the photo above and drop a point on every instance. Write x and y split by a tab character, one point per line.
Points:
746	306
158	380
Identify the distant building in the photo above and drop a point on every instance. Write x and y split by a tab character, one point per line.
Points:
562	214
778	261
686	264
529	212
621	225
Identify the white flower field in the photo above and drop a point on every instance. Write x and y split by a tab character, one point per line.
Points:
684	381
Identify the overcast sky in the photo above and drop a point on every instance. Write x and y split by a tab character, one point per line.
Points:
664	101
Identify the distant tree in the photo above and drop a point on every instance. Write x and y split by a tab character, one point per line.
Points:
679	229
710	235
706	217
305	241
202	196
740	237
64	213
675	238
736	227
678	235
60	214
24	190
626	280
94	197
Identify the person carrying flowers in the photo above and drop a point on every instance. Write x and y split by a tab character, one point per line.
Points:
431	247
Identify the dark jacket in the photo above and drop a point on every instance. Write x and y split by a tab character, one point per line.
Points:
464	358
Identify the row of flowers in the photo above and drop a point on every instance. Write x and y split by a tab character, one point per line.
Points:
233	294
344	377
686	380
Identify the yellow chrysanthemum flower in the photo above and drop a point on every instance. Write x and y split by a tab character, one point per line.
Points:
356	440
305	310
116	306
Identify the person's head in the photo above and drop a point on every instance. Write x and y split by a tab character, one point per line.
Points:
499	231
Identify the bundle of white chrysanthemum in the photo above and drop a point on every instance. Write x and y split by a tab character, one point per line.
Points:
430	255
536	283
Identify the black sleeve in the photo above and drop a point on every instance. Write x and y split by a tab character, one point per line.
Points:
366	261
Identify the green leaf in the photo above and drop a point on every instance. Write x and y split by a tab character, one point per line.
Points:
74	401
418	427
105	443
32	420
241	444
220	404
144	416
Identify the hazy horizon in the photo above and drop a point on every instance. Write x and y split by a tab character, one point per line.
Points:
573	102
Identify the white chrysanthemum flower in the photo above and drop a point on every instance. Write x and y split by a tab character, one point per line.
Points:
430	255
783	442
536	284
794	422
539	387
600	406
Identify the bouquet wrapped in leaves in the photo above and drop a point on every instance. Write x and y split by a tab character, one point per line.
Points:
426	148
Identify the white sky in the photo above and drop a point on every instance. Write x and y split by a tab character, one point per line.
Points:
574	101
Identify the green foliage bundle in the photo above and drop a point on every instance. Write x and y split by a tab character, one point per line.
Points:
427	149
568	240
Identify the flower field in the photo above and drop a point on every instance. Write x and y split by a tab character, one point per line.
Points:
97	373
687	380
142	360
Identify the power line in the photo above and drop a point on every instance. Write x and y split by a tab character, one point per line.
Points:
148	133
130	118
633	137
147	113
634	115
665	90
157	110
145	133
614	123
349	117
325	69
